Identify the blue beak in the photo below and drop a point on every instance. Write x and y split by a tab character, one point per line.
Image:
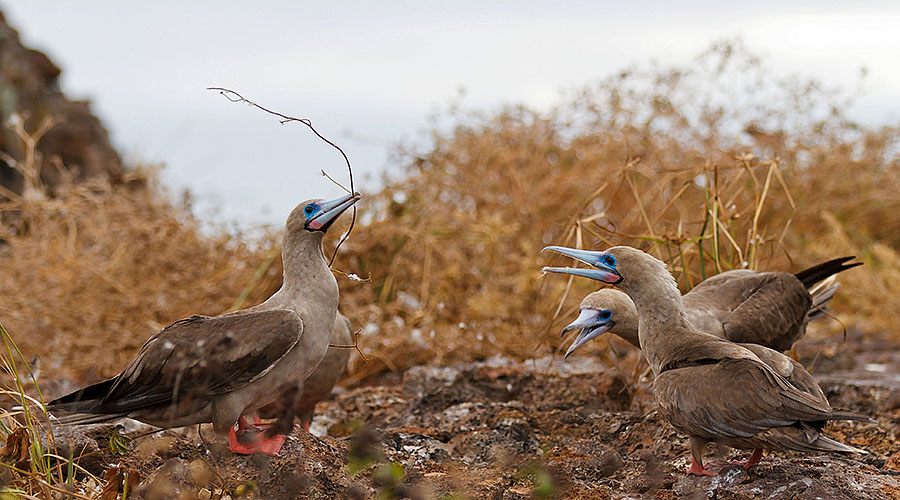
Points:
588	317
601	271
587	334
331	210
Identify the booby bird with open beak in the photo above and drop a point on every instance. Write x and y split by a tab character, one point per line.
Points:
611	310
723	305
218	369
711	389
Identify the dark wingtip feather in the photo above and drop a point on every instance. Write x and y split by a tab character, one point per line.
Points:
844	414
825	443
817	273
86	418
85	396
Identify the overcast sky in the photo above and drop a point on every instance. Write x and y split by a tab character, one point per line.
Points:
369	73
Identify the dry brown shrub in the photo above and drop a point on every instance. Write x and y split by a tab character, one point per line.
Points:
89	275
708	166
714	166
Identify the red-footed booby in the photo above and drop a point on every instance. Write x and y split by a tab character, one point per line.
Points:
217	369
711	389
743	306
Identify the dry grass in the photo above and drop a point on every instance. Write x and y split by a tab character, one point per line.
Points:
707	166
89	275
710	167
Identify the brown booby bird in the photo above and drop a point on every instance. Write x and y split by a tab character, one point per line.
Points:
711	389
723	305
217	369
611	310
319	385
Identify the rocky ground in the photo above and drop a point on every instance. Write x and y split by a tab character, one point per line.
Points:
503	429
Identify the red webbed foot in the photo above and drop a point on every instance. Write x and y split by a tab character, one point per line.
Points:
698	469
255	442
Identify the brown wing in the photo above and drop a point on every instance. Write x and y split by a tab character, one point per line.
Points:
201	357
791	370
760	308
709	304
734	398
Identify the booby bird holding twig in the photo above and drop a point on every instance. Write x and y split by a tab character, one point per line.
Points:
218	369
711	389
744	306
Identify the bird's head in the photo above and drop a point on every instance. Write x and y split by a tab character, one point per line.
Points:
616	265
645	279
604	265
599	312
318	215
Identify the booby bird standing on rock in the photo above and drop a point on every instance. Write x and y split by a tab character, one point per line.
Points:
709	388
740	305
610	310
217	369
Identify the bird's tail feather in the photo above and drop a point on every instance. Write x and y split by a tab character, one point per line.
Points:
817	273
822	294
825	443
844	414
86	418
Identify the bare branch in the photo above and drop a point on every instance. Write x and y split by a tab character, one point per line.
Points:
355	345
233	96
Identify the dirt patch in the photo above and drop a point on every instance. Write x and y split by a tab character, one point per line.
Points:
504	429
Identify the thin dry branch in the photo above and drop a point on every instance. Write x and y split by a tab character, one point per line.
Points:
233	96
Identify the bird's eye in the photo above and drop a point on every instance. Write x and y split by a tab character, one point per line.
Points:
309	209
605	315
609	260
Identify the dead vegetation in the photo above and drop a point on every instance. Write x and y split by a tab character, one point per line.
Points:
712	166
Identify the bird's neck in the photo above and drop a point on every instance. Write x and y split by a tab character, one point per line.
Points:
661	317
310	290
306	272
626	327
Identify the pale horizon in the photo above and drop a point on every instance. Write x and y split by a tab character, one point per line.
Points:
368	75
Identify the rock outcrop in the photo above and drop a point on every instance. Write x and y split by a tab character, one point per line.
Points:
75	145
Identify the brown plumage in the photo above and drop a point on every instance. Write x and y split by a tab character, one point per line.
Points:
321	382
766	308
620	318
771	309
319	385
216	369
710	388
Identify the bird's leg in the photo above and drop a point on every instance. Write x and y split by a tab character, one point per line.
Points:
259	424
754	460
697	445
242	424
284	422
305	419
